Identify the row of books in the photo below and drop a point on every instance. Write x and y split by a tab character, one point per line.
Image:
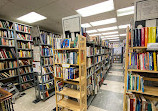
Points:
26	78
143	61
89	51
25	53
23	28
68	58
140	37
25	70
24	45
46	51
47	86
24	36
6	34
6	24
7	53
90	71
47	38
45	78
24	62
140	103
59	85
7	42
8	73
135	82
59	43
66	73
89	62
6	105
46	70
8	64
97	59
47	61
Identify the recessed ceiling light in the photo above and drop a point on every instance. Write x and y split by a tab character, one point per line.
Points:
122	34
124	26
94	34
107	29
96	9
114	40
103	22
110	38
91	31
125	11
109	33
31	17
86	25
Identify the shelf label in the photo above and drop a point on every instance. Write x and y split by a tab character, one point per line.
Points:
66	65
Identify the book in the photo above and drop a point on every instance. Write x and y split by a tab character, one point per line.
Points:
143	37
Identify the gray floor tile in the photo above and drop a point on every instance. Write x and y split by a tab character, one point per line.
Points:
115	78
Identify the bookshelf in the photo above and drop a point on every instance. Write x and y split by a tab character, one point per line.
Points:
8	57
70	89
143	73
98	64
43	62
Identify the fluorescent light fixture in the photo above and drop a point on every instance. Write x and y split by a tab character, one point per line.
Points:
124	26
94	34
110	38
122	34
107	29
86	25
31	17
114	40
96	9
103	22
125	11
91	31
109	33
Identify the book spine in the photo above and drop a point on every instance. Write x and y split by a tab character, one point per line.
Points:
143	37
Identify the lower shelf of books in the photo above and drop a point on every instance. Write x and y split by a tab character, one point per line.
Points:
148	91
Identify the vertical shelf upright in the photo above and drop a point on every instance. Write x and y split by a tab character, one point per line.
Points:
70	98
24	51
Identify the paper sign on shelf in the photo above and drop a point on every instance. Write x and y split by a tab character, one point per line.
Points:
66	65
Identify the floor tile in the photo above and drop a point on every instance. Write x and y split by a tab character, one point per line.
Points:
93	108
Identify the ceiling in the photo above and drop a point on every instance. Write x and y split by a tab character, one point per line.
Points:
55	10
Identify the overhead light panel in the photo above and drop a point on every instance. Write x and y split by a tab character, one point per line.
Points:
124	26
114	40
31	17
107	29
125	11
109	33
112	36
86	25
94	34
91	31
96	9
103	22
122	34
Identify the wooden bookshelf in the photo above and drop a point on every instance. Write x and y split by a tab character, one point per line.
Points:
81	82
148	90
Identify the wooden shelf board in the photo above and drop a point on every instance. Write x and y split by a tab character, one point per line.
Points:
138	70
69	104
137	47
148	91
70	92
68	49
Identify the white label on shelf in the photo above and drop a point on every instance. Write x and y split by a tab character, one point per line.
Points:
66	65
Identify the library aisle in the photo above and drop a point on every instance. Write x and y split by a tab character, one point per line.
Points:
110	96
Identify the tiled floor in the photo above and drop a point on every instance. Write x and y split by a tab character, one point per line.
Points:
109	97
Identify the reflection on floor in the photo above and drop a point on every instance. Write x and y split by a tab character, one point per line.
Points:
109	97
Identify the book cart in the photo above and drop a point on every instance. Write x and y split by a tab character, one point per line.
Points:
150	92
69	98
96	69
5	101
